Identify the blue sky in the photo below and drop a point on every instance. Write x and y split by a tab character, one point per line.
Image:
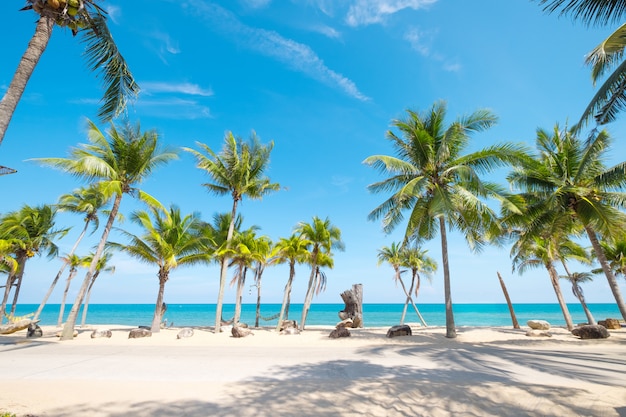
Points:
321	78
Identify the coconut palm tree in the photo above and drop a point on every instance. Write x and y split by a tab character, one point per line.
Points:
292	250
242	255
615	255
604	58
238	170
419	263
568	179
265	252
169	240
119	160
576	278
88	201
324	237
74	261
103	266
438	185
30	231
87	19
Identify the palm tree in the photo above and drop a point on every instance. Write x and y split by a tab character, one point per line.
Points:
30	231
416	260
88	201
607	56
169	240
438	185
568	179
238	170
8	264
74	261
292	250
323	237
616	256
119	163
101	267
87	18
242	255
265	252
576	278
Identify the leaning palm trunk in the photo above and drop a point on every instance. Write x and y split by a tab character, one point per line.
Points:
158	309
285	306
259	275
67	288
240	284
408	299
308	298
68	329
450	327
554	277
58	276
597	248
224	271
34	51
11	279
87	297
581	297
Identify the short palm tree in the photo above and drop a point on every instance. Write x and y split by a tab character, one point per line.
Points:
169	240
87	201
265	252
119	163
30	231
567	178
576	278
238	170
88	19
291	250
74	261
103	266
242	255
323	237
438	185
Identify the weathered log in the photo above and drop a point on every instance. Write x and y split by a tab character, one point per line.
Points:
139	333
34	330
240	331
353	309
16	326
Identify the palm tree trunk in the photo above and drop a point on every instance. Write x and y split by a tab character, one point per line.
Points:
508	302
554	277
68	329
239	297
56	279
67	288
11	279
224	270
34	51
408	298
283	307
158	308
450	327
308	298
87	297
581	297
259	274
607	270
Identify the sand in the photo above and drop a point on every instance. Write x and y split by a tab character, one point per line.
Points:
483	372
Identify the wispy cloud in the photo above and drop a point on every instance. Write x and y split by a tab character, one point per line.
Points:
367	12
174	108
421	42
297	56
327	31
113	13
184	88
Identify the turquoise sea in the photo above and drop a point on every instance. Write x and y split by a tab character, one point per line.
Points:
375	315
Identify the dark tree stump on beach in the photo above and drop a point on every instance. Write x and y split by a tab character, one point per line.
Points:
353	310
401	330
591	331
138	333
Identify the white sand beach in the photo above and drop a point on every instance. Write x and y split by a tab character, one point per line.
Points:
484	372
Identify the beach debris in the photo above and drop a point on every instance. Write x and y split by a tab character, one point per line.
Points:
591	331
339	332
60	332
353	309
98	333
289	327
538	324
290	330
16	326
611	324
139	332
538	333
184	333
240	331
401	330
34	330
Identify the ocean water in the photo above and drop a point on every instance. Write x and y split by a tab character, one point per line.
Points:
375	315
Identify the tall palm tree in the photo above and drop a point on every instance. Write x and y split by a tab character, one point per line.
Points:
88	19
103	266
169	240
324	237
439	186
568	178
238	170
74	261
292	250
119	162
87	201
610	98
576	278
30	230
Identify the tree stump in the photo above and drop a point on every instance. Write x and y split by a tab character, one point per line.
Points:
353	310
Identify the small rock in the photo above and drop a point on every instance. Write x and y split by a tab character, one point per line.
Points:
290	330
591	331
538	324
612	324
34	330
339	332
538	333
98	333
183	333
402	330
238	331
138	333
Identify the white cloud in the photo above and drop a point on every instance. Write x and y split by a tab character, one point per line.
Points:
113	13
416	39
295	55
366	12
174	108
327	31
184	88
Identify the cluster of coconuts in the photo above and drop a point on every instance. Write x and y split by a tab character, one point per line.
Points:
66	11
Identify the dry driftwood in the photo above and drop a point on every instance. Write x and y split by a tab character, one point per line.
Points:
16	326
353	310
